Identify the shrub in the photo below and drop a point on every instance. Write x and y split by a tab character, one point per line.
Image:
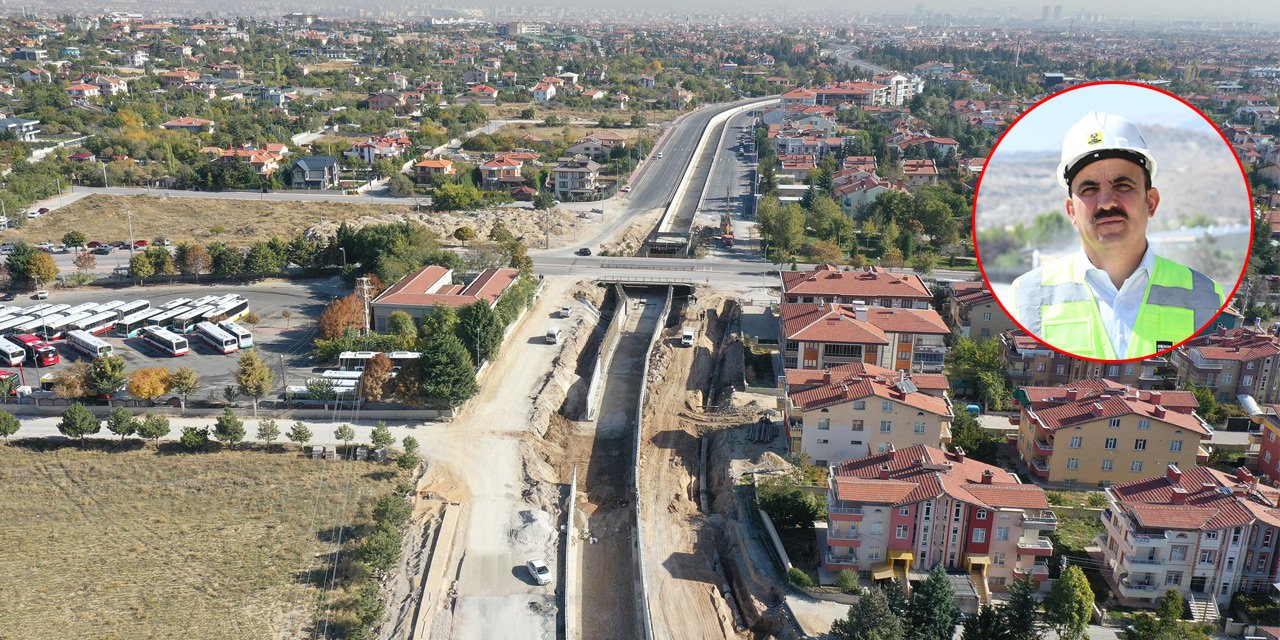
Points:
799	578
847	581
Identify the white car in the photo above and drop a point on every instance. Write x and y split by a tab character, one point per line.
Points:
539	570
42	294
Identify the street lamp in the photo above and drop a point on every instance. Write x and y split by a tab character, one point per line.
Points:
344	256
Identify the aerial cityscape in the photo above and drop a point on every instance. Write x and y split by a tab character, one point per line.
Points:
400	321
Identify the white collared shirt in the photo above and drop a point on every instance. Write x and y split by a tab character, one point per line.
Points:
1118	307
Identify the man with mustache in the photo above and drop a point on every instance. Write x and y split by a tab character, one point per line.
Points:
1114	299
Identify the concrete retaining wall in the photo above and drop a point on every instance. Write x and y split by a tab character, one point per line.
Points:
572	597
638	565
103	411
605	355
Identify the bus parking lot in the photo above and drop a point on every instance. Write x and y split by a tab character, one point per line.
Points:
283	340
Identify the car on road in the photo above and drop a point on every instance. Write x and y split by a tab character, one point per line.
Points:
140	243
539	570
626	189
32	215
103	250
41	294
42	210
8	295
584	251
658	156
94	245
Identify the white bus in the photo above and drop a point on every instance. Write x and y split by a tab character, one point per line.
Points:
10	322
217	338
50	310
88	344
166	341
243	336
186	323
86	306
402	358
41	326
232	308
355	360
109	306
55	327
130	325
173	304
11	354
337	376
204	301
132	307
97	324
165	317
35	309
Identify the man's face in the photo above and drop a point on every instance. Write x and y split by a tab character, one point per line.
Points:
1110	206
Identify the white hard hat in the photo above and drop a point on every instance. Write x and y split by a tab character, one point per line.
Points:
1101	135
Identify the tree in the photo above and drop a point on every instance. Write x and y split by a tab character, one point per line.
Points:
225	262
153	428
8	385
923	263
149	383
122	423
375	378
70	382
410	444
543	200
85	261
445	374
346	434
253	377
42	268
456	197
400	185
401	324
193	439
299	433
262	261
989	624
500	233
79	422
140	267
185	381
847	581
407	461
381	436
106	376
978	443
825	251
933	611
9	425
228	428
787	505
897	598
268	431
1069	604
1019	611
869	619
193	259
341	314
162	262
480	330
464	235
74	239
1208	407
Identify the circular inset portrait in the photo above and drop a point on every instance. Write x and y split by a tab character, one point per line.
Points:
1112	221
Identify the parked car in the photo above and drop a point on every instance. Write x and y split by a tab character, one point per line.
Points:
43	210
140	243
104	250
41	294
625	189
539	570
8	295
32	215
584	251
94	245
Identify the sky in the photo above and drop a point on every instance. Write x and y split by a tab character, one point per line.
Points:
1042	128
1260	10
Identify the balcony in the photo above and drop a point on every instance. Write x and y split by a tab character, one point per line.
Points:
1039	569
844	514
843	538
1148	563
1046	521
1041	448
841	562
1138	589
1039	468
1040	547
1157	540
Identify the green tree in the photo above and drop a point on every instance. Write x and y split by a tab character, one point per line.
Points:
847	581
268	432
978	443
897	598
1020	611
1208	406
480	330
153	428
74	239
162	262
228	429
407	461
381	436
544	200
464	235
456	197
923	263
400	185
989	624
1069	604
253	377
194	439
8	385
140	267
409	444
9	425
106	376
262	261
299	433
346	434
79	422
381	549
401	324
184	381
122	423
225	262
787	505
869	619
933	611
446	375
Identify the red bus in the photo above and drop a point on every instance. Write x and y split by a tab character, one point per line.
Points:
38	351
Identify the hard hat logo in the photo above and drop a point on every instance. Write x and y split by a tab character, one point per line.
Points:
1100	135
1095	138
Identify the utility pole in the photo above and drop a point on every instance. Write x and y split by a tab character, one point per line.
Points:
104	174
363	284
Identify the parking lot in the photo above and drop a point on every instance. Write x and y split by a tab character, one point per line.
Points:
285	344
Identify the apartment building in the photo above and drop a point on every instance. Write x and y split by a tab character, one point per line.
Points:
922	506
871	286
1031	364
1203	532
818	336
1232	362
857	409
972	308
1100	432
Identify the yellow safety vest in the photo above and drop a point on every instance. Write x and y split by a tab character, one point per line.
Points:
1054	302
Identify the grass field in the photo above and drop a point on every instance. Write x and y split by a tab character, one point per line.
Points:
205	220
577	132
138	544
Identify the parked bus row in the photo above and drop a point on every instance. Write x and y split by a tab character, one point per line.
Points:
358	360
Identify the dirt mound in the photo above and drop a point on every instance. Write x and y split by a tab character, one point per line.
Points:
770	461
632	238
526	224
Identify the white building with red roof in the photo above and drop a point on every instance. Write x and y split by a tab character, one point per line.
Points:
1203	532
923	506
432	286
189	123
872	286
1232	362
857	409
1099	432
817	336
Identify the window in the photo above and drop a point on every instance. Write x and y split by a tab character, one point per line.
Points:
1206	557
1113	370
856	443
1002	534
843	350
1173	578
901	532
1175	445
1110	443
955	514
928	512
824	424
1140	444
982	514
887	406
1266	456
1266	537
874	555
986	315
1247	381
1039	367
1135	466
883	448
859	405
919	427
1077	442
1128	369
821	441
1144	424
886	426
1178	553
1114	423
1211	535
986	331
1060	370
1249	365
905	511
1108	464
820	463
904	338
877	528
979	535
1073	463
1226	378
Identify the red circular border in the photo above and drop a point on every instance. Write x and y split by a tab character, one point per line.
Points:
1243	178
